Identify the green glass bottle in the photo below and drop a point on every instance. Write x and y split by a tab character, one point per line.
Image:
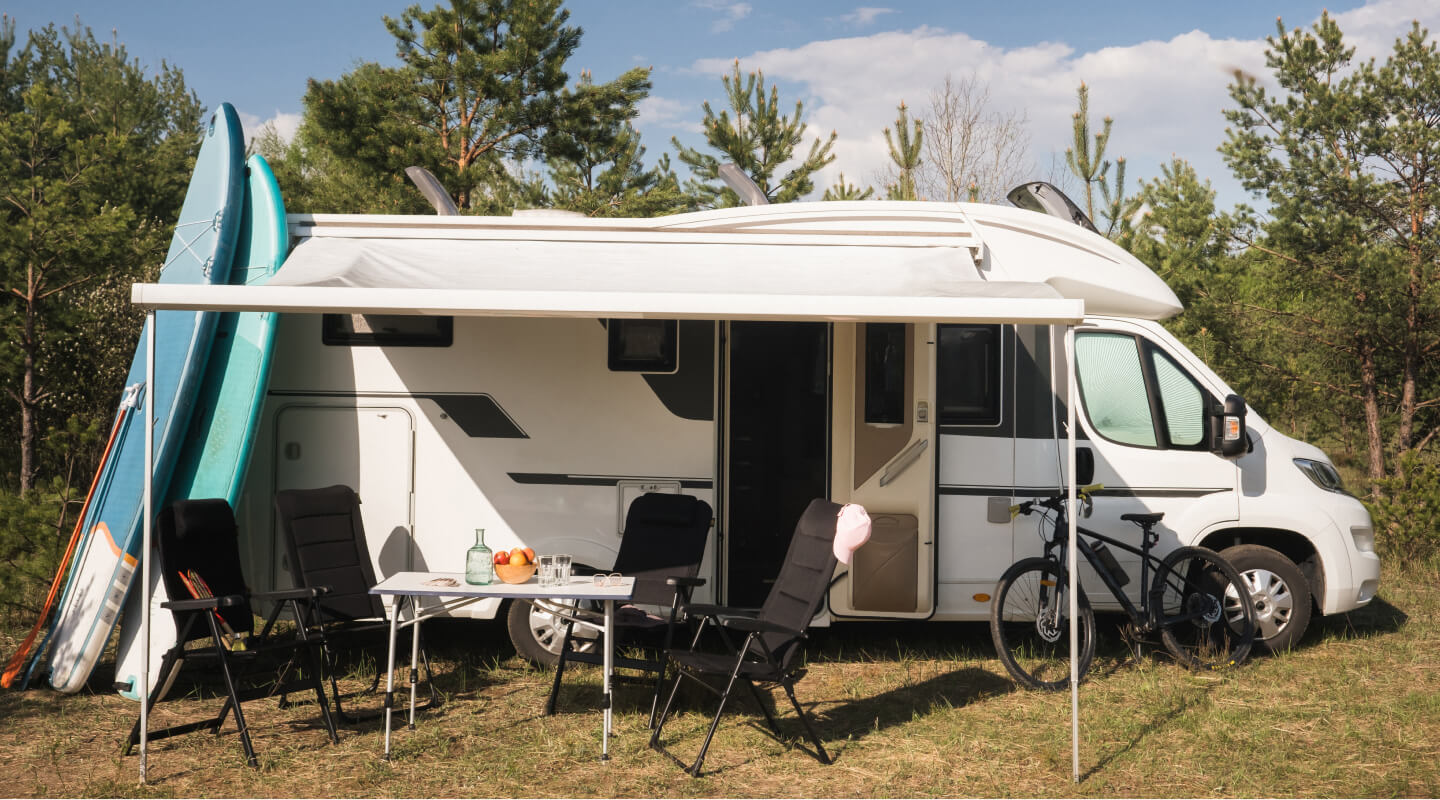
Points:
479	561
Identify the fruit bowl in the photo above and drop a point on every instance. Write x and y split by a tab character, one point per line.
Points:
512	573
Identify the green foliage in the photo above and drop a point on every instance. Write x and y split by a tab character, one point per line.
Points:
905	153
480	89
1343	275
1093	169
1407	511
94	156
597	168
847	191
758	139
36	526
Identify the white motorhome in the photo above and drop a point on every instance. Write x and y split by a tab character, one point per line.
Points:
905	356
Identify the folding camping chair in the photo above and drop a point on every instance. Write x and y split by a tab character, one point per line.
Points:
663	542
769	653
325	541
199	558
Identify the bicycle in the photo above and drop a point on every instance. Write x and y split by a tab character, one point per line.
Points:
1197	601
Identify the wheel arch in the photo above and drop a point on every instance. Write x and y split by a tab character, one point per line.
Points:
1294	546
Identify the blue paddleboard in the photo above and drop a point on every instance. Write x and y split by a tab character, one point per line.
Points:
200	252
216	451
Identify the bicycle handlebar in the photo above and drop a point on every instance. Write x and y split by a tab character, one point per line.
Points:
1053	503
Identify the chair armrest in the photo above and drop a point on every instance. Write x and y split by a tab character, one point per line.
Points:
203	603
752	625
706	610
298	593
679	580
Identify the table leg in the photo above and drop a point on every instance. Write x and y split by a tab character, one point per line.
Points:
414	659
390	671
608	669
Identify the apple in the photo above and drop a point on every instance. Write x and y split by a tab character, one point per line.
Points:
517	557
529	555
502	557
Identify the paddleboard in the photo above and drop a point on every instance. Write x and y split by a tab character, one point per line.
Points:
200	252
216	451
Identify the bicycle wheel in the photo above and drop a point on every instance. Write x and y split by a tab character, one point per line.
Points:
1189	606
1030	623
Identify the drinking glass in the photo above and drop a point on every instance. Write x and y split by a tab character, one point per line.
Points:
547	570
562	569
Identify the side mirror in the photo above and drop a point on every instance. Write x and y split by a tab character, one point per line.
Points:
1227	428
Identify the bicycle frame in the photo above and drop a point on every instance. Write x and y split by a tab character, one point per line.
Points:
1144	618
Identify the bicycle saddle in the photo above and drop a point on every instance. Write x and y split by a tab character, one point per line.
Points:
1144	519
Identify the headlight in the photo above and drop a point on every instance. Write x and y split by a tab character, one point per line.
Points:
1322	474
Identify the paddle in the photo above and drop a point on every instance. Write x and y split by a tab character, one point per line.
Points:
200	590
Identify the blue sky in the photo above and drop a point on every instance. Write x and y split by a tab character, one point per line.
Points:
1159	68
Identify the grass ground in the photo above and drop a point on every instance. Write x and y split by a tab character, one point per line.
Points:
922	710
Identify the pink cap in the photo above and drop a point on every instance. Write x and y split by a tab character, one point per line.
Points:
851	531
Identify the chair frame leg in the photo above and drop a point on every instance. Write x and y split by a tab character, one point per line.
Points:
805	720
550	704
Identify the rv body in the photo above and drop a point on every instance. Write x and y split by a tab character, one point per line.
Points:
541	430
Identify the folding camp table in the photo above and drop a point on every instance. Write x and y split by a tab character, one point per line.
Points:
453	592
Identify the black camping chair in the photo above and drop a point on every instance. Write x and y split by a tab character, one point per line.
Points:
199	559
769	653
325	541
663	543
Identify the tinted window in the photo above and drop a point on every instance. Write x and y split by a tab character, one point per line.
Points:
885	373
969	375
644	345
387	330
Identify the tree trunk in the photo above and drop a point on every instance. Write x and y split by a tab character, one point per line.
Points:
1370	396
28	404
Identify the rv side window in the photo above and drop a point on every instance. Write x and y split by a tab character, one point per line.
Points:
885	373
387	330
1112	388
968	390
644	345
1182	402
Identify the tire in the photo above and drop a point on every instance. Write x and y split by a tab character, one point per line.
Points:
537	636
1033	645
1195	603
1279	592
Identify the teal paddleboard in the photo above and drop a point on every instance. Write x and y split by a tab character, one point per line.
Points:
200	252
216	453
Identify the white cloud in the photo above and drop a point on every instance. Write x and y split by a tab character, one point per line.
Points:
1166	97
864	16
284	124
730	13
663	112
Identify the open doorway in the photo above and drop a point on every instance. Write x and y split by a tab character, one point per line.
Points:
777	443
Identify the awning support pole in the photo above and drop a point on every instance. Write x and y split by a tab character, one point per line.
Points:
1071	395
147	406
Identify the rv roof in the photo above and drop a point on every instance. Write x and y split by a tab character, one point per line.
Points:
828	261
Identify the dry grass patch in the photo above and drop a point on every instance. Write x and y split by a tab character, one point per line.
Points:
906	710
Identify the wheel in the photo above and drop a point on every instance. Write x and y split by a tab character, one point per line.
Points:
1195	603
537	635
1279	591
1030	623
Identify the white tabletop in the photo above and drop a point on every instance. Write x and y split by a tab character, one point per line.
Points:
432	584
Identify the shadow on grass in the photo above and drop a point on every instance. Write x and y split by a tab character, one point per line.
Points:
1380	618
1177	709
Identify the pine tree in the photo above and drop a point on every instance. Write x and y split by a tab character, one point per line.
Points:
597	167
905	152
94	158
847	191
1345	269
1092	169
480	89
759	139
